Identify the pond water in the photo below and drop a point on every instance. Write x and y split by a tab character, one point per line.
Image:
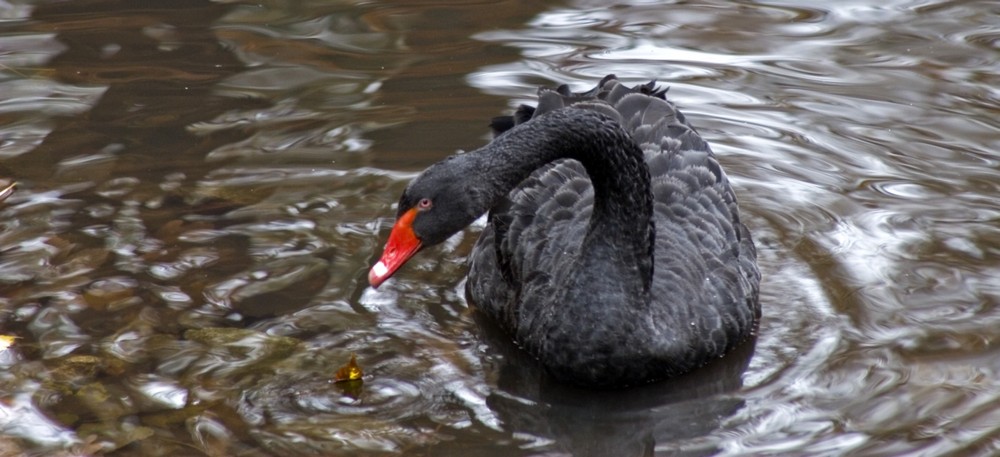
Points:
203	185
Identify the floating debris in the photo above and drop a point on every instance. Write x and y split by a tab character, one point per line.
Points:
349	372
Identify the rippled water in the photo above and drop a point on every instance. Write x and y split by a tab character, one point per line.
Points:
202	186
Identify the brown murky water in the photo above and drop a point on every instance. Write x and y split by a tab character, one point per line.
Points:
202	186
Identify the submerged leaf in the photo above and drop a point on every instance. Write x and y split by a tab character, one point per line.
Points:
349	372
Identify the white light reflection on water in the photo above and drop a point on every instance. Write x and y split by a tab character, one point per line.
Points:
21	417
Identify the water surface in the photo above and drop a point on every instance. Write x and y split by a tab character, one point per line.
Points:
203	185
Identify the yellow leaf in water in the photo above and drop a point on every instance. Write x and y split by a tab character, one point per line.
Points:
6	341
349	372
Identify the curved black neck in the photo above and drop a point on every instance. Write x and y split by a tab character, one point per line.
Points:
621	223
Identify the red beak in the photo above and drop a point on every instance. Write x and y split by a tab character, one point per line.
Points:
402	244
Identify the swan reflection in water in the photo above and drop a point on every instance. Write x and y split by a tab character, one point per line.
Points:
653	419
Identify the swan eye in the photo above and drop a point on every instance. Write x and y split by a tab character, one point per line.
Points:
425	203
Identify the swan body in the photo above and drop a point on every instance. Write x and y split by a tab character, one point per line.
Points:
613	252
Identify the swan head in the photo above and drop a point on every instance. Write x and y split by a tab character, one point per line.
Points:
440	202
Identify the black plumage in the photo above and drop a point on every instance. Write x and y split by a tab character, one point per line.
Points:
614	251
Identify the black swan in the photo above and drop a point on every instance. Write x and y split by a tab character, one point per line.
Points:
622	266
